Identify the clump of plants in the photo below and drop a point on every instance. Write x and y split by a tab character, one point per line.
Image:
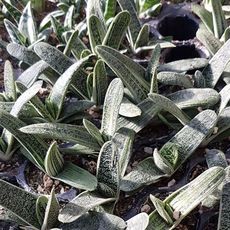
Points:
91	72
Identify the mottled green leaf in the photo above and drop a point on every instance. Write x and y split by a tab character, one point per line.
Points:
20	202
108	170
131	74
72	133
120	23
27	24
100	83
80	205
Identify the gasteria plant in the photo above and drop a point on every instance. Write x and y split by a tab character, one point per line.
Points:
132	100
25	32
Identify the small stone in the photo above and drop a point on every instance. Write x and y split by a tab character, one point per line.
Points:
148	150
215	130
56	182
176	215
171	182
200	109
146	208
40	189
48	182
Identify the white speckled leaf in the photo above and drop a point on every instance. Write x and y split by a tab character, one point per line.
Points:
128	109
188	197
184	65
138	222
96	221
187	140
120	23
167	105
173	78
108	175
190	98
217	65
27	24
131	73
72	133
81	204
111	107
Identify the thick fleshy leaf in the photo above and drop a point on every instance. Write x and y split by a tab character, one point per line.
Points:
75	45
20	202
15	35
51	212
96	31
95	221
149	110
217	65
219	22
152	69
41	204
80	205
160	208
54	161
58	28
187	140
25	97
71	133
111	107
75	106
224	213
77	177
168	105
9	79
173	78
93	131
110	9
128	109
204	15
184	200
22	53
108	170
55	58
123	140
215	157
46	20
100	83
143	37
184	65
27	24
135	25
212	43
223	125
29	76
56	98
138	222
13	11
190	98
120	23
35	101
153	63
225	97
94	8
131	74
69	21
34	146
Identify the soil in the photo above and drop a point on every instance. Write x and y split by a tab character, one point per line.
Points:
18	171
